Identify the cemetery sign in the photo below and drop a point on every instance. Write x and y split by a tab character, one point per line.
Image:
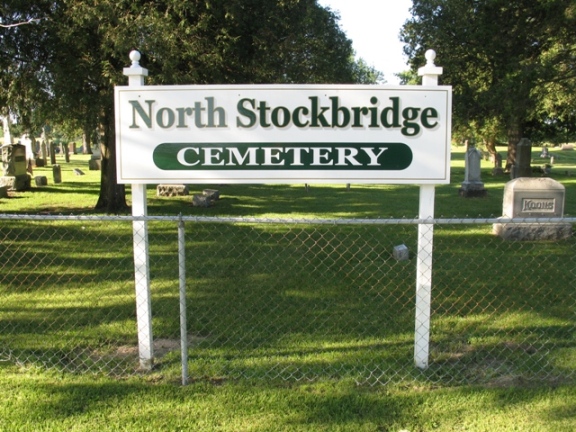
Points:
283	134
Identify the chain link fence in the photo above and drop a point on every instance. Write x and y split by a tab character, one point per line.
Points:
288	300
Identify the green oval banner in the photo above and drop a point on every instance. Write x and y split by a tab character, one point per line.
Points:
285	156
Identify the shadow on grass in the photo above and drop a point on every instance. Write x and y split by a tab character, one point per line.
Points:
325	405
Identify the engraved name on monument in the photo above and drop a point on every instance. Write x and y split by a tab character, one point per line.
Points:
527	197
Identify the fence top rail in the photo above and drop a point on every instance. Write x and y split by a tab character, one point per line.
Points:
292	221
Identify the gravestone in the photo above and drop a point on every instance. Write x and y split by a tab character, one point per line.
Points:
27	142
544	154
14	168
207	199
401	253
170	190
95	163
523	159
201	201
57	173
212	194
472	186
497	160
3	191
42	160
78	171
41	180
526	197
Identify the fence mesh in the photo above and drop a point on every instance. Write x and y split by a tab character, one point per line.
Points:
288	300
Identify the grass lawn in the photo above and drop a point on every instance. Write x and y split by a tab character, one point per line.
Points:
504	350
78	195
39	401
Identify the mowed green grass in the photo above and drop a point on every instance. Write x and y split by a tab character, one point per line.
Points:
39	401
78	194
292	328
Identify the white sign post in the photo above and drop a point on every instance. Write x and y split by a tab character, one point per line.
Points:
136	75
429	74
242	134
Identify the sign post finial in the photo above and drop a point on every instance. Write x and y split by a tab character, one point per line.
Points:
135	72
430	71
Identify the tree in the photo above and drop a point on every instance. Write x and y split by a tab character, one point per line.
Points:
81	47
23	77
364	74
499	56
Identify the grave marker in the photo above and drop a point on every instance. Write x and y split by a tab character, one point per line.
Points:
14	168
472	185
57	173
533	198
497	160
41	180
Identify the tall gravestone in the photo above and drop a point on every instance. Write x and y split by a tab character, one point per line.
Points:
527	197
472	186
57	173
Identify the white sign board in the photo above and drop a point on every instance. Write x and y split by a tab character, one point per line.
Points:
283	134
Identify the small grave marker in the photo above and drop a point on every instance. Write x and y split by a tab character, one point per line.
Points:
212	194
401	253
171	190
201	201
41	180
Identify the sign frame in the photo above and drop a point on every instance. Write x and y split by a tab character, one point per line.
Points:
274	126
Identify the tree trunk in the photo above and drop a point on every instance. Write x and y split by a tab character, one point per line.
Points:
52	153
490	143
514	137
112	195
86	142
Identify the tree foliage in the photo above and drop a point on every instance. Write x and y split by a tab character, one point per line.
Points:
64	68
23	78
508	62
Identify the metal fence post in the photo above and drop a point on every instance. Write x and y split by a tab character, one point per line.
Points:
136	74
429	74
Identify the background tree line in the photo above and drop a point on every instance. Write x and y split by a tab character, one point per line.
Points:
61	66
512	65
